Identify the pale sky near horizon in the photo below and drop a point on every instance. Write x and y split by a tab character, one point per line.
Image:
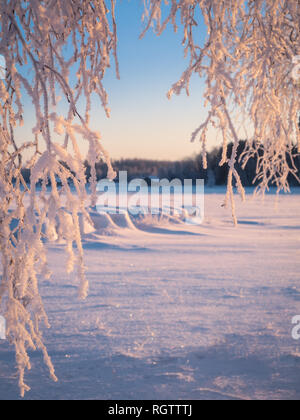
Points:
144	123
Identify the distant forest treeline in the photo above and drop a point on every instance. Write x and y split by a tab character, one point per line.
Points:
189	168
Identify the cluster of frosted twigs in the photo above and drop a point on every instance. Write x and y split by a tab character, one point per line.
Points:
34	34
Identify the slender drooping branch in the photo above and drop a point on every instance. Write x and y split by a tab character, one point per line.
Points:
246	61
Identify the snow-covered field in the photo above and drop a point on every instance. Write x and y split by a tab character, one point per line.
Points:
176	311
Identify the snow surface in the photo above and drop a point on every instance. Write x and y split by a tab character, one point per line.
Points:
175	311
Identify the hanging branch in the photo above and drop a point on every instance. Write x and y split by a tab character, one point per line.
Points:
246	62
54	38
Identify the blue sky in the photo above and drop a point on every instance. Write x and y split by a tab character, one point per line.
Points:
144	123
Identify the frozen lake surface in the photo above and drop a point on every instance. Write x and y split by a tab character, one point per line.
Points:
176	311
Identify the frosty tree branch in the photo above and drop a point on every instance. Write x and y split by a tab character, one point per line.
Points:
246	62
35	34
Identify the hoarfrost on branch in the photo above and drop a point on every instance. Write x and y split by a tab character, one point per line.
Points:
247	62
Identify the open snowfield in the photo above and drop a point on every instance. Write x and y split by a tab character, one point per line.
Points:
176	311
